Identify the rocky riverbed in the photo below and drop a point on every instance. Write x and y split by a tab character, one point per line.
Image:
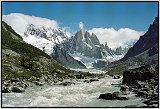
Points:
71	93
84	90
144	82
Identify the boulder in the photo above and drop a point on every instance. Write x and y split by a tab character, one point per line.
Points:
67	83
112	96
134	89
13	80
138	84
131	75
38	83
17	89
145	89
5	90
116	77
92	80
122	98
141	93
87	81
107	96
124	88
111	75
22	84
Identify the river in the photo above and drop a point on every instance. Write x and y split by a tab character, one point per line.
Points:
76	95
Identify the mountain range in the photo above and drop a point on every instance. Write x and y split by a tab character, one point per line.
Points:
83	49
48	37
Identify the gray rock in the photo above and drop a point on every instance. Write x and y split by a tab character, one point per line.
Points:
111	75
5	90
23	85
124	88
87	81
145	89
107	96
112	96
67	83
38	83
122	98
92	80
141	93
116	77
17	89
134	89
129	77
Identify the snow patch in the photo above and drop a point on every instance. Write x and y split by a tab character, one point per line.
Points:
40	43
87	61
88	45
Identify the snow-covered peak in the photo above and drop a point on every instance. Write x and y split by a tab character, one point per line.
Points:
43	38
19	22
48	33
40	32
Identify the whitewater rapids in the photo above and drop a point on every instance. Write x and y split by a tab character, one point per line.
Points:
77	95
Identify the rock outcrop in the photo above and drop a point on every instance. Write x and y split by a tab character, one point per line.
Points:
65	59
138	74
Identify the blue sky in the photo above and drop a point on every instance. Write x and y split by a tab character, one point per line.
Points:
134	15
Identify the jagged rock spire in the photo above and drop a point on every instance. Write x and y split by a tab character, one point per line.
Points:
81	27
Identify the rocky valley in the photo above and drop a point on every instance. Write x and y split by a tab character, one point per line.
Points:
47	67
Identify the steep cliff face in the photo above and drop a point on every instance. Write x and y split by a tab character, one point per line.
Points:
146	42
65	59
84	43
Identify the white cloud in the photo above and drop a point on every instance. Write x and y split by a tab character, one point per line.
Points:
19	22
116	38
81	25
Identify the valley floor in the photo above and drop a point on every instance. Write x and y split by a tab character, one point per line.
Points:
79	94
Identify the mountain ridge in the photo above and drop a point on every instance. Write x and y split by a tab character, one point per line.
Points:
145	42
144	52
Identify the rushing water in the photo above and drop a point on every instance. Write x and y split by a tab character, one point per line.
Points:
78	95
